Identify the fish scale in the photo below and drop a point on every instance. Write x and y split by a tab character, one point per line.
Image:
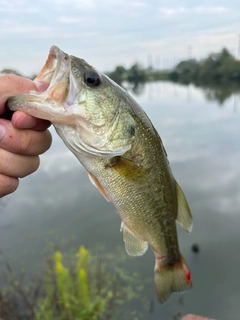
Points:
124	156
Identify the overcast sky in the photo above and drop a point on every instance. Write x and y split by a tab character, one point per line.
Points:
108	33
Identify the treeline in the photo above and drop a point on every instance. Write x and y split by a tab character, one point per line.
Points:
135	74
17	73
217	69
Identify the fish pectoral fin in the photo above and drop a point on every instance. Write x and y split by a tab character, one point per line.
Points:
129	169
184	217
133	245
98	185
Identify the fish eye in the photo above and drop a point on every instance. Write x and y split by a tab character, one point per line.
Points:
92	79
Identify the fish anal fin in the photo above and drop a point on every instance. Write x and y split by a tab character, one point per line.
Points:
133	245
98	185
184	217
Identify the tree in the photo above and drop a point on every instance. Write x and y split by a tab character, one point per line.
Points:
136	74
118	75
10	71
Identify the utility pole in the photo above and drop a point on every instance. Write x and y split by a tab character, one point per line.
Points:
189	52
150	66
238	53
157	62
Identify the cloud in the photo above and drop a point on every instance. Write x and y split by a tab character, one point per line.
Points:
82	5
77	20
9	27
14	7
28	30
138	4
170	11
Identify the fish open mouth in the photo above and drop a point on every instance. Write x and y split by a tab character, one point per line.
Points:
52	101
55	74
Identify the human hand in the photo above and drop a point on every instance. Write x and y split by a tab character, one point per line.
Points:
22	139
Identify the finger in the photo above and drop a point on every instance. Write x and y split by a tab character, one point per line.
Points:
16	165
25	142
7	185
10	85
21	120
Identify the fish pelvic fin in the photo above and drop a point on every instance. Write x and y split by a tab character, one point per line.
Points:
184	217
98	185
171	278
133	245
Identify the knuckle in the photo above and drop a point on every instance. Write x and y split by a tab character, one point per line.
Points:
7	185
32	165
46	141
35	164
25	143
33	143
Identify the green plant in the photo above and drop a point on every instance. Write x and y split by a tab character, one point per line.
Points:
81	286
92	288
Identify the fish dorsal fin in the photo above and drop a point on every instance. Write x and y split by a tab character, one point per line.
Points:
133	245
98	185
184	217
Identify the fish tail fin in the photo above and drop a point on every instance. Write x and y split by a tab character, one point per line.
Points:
171	278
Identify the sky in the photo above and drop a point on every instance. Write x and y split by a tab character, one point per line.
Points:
108	33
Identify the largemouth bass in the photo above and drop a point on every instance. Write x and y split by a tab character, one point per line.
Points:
115	141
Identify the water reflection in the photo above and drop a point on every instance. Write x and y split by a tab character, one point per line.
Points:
218	93
221	93
58	204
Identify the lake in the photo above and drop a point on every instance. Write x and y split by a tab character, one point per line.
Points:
58	205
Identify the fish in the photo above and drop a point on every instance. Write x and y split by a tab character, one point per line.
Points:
123	154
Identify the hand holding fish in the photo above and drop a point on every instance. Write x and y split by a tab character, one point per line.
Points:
22	139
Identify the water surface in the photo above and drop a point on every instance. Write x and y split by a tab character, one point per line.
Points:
59	205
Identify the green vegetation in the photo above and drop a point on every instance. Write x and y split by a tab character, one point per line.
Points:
88	288
136	74
217	68
218	75
10	71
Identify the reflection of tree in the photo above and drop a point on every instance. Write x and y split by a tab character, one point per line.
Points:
221	92
137	88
